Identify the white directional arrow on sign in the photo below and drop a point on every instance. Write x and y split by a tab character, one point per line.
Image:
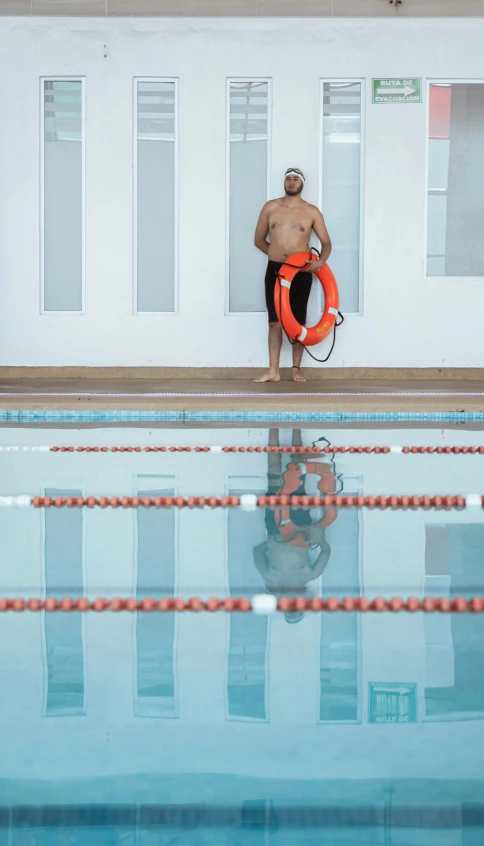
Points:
406	90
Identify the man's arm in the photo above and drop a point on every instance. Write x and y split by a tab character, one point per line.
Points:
262	229
321	560
260	559
319	229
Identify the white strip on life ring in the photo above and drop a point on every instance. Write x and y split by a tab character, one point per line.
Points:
285	283
303	334
333	311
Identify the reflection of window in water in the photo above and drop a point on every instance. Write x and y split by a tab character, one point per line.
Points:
454	643
340	648
248	639
155	633
63	632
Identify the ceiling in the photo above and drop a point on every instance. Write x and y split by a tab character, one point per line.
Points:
247	8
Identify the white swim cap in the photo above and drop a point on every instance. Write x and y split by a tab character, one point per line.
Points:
294	171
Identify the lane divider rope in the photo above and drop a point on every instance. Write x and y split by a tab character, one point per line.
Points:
360	450
259	604
247	502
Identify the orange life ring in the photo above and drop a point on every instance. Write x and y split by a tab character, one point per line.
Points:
296	332
293	479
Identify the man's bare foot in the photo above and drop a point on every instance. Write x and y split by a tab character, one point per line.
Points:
269	377
296	376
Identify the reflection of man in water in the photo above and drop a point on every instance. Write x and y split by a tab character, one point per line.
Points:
296	551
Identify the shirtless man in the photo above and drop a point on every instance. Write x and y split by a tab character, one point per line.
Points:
296	551
289	221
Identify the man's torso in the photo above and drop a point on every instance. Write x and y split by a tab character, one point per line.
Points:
289	229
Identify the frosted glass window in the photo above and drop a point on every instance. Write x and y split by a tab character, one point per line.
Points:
455	216
247	174
341	188
62	195
248	633
63	632
454	643
155	219
155	633
340	649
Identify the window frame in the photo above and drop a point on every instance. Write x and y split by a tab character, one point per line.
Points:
68	483
251	484
364	93
43	311
439	82
176	205
228	82
155	482
357	486
454	716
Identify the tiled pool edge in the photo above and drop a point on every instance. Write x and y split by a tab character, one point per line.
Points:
141	415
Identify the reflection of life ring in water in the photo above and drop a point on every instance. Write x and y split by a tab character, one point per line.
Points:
294	533
296	332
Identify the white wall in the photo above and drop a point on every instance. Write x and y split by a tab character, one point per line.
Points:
408	320
109	739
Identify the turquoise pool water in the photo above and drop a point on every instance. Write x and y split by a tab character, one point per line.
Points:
239	728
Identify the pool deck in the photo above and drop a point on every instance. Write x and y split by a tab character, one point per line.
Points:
208	394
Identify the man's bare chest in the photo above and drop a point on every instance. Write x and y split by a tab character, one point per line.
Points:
293	223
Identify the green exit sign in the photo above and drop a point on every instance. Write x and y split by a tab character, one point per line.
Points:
392	702
397	90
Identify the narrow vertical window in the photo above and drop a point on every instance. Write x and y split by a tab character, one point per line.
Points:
62	195
155	193
64	642
455	205
454	644
247	175
342	185
155	633
340	638
247	683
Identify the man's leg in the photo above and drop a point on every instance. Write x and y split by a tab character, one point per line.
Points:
297	354
298	297
275	329
301	457
275	344
274	480
274	464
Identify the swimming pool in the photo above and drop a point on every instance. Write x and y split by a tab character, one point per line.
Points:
233	728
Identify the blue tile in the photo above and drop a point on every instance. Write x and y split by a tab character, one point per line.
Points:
100	416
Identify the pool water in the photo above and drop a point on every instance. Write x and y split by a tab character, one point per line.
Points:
183	728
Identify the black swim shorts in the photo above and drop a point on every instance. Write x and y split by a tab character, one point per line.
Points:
298	293
298	516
